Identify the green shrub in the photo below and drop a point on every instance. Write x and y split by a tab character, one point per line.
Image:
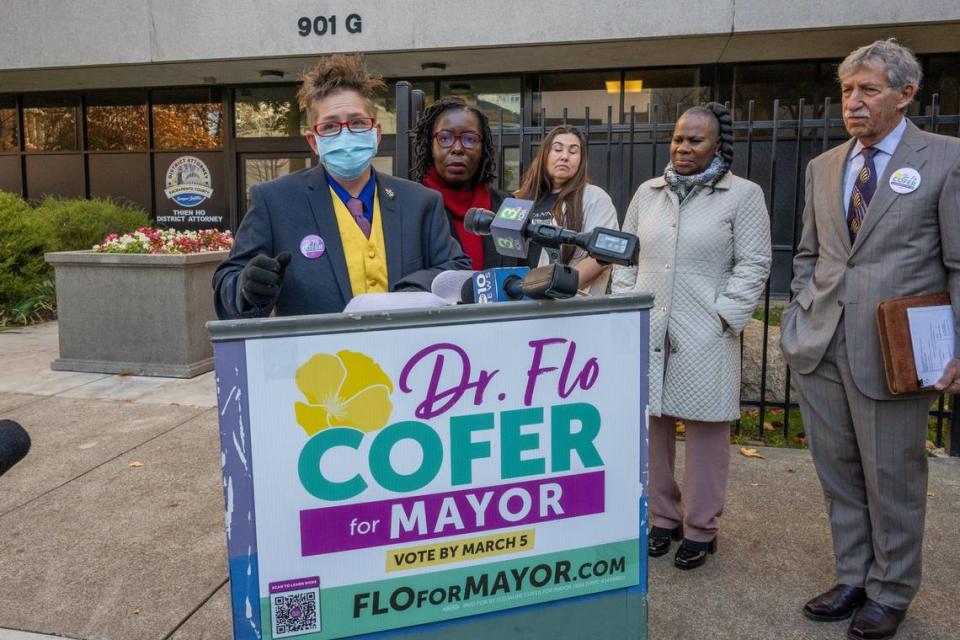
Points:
56	224
39	306
23	239
80	224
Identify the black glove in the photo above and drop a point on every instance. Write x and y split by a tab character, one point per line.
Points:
261	279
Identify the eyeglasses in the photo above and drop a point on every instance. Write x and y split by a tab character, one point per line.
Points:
468	139
356	125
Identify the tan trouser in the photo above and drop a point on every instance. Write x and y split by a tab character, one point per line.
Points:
704	476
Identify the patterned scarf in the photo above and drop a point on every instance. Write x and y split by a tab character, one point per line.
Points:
683	185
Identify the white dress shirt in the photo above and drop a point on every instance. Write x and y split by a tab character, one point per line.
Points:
884	151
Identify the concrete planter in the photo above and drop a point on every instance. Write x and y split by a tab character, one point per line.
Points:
133	313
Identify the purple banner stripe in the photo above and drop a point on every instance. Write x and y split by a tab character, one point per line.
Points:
441	515
295	585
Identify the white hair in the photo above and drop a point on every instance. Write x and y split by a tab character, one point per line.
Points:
899	62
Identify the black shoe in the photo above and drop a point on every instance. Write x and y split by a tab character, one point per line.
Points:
692	554
658	541
875	621
836	604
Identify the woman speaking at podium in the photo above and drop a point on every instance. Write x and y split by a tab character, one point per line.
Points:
705	255
453	154
557	182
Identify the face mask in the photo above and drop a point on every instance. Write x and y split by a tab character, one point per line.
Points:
347	155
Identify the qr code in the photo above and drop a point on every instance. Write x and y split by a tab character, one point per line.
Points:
295	612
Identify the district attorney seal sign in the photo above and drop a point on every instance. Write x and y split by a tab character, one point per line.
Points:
188	181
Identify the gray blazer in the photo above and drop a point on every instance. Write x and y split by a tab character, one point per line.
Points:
909	244
282	212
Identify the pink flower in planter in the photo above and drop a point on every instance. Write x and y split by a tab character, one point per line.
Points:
150	240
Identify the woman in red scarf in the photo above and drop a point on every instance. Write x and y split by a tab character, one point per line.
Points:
454	154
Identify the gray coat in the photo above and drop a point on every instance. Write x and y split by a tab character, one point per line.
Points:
705	260
909	244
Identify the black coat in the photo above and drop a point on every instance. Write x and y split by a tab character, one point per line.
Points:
283	211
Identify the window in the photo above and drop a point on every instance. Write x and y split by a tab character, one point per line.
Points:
269	112
258	170
788	81
187	119
9	127
386	103
511	169
576	92
492	96
117	121
943	78
50	122
662	94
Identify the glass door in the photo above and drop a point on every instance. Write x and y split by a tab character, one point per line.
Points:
257	168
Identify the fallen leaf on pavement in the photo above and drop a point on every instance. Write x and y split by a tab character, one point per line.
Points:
750	453
931	494
135	465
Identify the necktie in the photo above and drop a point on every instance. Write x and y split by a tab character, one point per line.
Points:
355	206
863	188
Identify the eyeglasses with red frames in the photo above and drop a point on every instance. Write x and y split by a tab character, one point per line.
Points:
356	125
468	139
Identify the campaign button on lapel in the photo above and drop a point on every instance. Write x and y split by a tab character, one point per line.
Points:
905	180
312	247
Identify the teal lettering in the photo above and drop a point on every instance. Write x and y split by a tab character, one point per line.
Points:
563	440
383	471
513	443
463	450
309	465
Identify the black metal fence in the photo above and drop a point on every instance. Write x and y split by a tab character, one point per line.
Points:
773	153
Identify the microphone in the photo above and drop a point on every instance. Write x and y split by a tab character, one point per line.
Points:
512	232
14	444
550	282
448	285
466	292
506	226
498	285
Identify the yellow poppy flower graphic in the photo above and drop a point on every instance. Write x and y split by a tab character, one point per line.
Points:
348	389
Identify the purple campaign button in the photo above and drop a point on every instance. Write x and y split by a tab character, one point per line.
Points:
312	247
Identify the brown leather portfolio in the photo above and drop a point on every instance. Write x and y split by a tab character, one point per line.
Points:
895	345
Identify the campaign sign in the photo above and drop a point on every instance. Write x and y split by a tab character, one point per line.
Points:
409	476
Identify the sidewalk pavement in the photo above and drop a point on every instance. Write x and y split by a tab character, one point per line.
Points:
112	527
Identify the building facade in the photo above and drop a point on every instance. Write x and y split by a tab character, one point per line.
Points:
181	107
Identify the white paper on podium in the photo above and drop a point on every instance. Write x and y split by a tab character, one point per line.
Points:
932	337
394	301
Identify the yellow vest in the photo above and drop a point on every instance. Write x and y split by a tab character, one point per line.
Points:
366	257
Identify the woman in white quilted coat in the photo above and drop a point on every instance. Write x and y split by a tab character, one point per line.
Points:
705	255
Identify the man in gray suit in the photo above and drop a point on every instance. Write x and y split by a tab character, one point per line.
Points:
314	239
882	220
